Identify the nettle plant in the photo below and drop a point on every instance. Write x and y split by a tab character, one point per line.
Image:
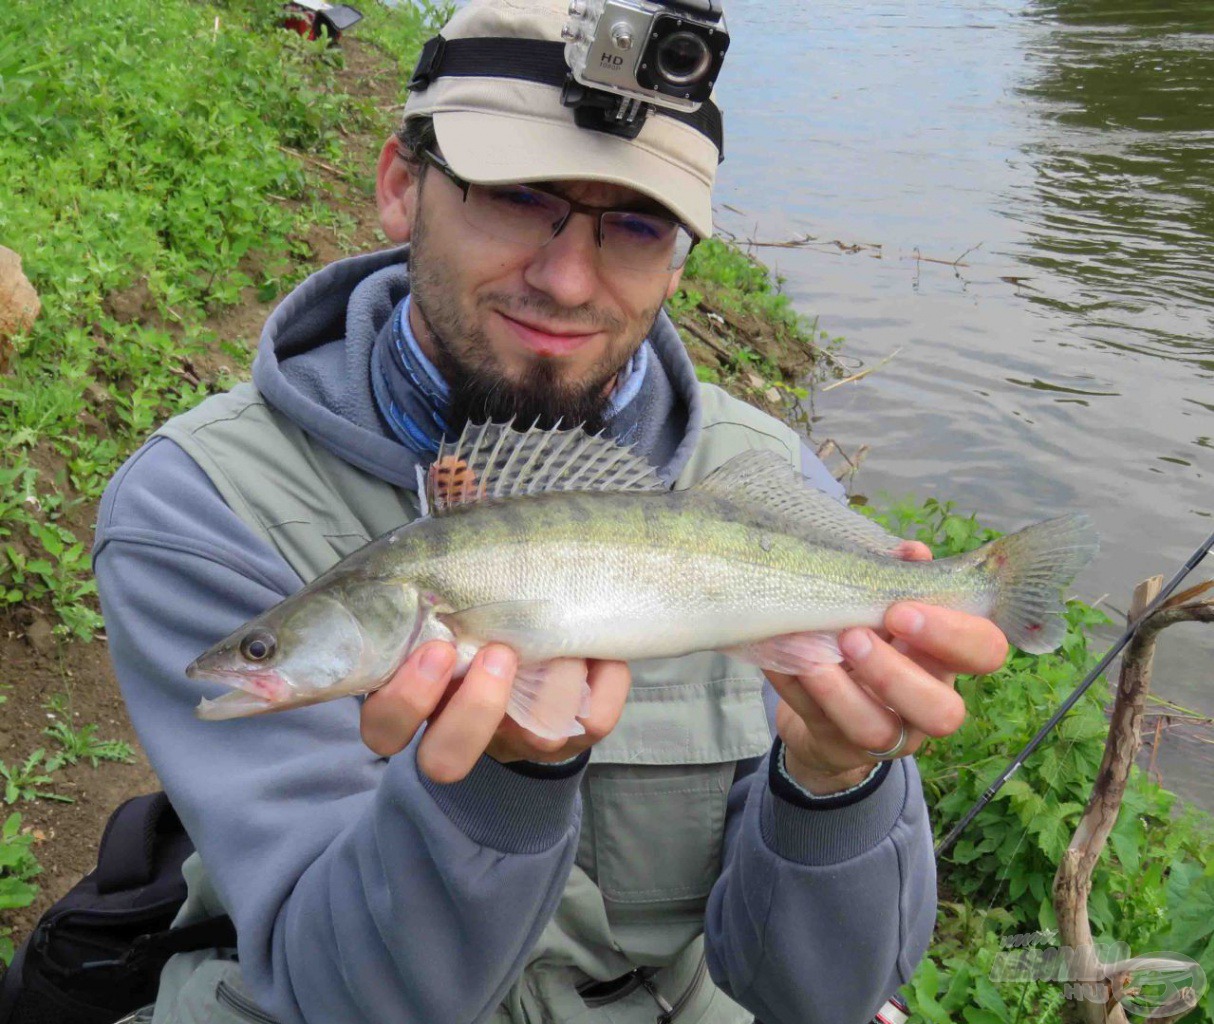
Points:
1154	887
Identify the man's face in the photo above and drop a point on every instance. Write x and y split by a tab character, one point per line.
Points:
518	330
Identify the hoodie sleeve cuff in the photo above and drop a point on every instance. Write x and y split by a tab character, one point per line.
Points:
551	769
783	784
507	809
828	830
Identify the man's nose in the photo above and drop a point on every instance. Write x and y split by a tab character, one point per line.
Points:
567	267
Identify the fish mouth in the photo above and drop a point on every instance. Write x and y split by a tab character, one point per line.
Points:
234	704
266	684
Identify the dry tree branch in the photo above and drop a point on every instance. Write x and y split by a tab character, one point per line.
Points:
1073	880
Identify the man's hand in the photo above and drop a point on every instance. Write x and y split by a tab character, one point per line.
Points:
831	717
467	717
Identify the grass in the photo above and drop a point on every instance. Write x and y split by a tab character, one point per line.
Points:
27	782
22	781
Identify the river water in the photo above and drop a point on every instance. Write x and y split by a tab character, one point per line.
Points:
1017	198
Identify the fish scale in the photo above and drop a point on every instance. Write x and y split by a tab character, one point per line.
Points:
607	567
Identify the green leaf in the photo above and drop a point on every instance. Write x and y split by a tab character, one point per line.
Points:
925	984
987	996
1125	839
1047	920
974	1015
15	894
1192	917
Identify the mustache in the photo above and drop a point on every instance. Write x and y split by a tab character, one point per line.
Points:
586	315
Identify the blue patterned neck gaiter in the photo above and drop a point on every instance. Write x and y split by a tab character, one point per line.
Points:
413	398
410	392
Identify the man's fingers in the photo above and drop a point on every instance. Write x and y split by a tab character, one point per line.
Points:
914	551
850	709
455	740
793	694
392	715
610	682
965	643
920	698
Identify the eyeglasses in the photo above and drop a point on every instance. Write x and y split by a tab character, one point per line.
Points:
527	216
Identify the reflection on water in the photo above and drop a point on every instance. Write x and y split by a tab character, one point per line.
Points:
1018	197
1122	205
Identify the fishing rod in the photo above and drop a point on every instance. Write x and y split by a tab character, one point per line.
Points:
1192	563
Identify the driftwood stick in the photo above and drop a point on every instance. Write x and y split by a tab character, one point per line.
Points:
694	329
863	373
1073	881
1155	750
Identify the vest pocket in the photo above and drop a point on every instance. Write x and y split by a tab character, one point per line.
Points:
657	830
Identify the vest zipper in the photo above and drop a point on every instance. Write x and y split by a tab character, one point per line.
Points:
671	1011
233	1000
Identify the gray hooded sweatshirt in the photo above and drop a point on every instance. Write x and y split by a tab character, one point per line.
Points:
364	893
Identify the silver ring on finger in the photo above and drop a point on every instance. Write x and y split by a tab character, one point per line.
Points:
899	743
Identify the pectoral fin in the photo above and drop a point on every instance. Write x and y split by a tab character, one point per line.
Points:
791	653
548	698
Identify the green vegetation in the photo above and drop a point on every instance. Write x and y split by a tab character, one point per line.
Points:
159	162
26	782
82	744
22	782
1154	887
18	868
743	331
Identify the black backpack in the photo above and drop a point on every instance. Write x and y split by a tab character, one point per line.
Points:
97	953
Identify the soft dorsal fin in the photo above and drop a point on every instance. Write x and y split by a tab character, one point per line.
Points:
493	461
765	480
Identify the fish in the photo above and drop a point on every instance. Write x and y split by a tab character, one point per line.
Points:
568	546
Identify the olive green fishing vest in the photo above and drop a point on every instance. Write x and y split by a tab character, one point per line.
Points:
653	796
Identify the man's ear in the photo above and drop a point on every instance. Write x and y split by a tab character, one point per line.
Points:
396	192
675	278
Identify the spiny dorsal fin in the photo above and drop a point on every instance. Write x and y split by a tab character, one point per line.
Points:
493	461
765	480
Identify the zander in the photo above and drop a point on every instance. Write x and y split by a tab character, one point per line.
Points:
566	546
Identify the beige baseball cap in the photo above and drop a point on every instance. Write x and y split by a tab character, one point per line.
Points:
494	129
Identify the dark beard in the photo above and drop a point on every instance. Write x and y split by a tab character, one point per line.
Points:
539	399
479	390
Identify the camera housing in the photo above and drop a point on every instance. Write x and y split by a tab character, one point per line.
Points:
647	52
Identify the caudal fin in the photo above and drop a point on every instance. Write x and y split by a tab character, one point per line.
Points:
1032	567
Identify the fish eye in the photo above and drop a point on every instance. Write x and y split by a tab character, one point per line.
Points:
258	645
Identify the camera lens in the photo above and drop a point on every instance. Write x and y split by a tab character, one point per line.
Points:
682	58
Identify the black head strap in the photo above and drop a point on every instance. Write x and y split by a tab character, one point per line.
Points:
533	60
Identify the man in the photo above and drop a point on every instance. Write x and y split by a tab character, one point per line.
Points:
713	849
